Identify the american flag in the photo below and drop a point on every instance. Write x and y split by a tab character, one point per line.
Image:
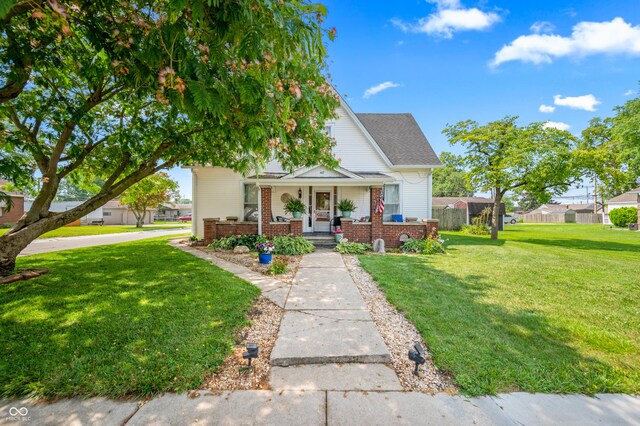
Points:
380	205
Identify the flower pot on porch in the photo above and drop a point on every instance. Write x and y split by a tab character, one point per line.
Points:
339	237
297	215
346	214
265	258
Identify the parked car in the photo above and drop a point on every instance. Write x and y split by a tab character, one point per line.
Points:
185	218
507	218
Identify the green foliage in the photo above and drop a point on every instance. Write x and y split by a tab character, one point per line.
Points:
424	246
294	205
502	156
224	243
451	180
194	238
119	90
232	241
291	245
623	216
348	247
477	229
149	192
610	149
278	265
346	205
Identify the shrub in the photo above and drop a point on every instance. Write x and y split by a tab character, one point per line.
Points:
291	245
623	216
193	238
347	247
346	205
278	265
7	225
478	229
425	246
294	205
225	243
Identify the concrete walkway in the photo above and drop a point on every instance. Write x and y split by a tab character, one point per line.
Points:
46	245
325	324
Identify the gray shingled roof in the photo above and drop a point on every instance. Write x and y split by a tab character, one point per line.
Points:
627	197
400	138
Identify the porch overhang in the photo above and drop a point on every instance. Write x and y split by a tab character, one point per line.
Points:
319	181
320	176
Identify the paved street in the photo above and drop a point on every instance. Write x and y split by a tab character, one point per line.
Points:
46	245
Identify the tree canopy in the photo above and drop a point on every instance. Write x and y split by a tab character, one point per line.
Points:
147	193
119	90
610	149
451	180
502	156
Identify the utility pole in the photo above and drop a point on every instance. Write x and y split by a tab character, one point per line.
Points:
595	194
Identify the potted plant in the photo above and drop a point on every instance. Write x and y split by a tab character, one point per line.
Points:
339	234
265	251
295	206
347	206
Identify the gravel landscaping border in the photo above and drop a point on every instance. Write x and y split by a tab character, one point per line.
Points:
265	317
398	334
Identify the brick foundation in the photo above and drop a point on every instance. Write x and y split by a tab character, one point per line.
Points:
214	229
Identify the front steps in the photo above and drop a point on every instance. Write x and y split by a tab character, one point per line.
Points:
322	240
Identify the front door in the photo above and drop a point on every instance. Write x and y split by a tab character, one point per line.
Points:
322	211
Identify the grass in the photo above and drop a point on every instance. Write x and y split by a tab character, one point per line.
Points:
132	319
76	231
547	308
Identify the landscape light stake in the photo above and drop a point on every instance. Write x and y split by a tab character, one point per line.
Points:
417	355
252	352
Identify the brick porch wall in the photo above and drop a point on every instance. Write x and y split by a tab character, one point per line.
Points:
214	229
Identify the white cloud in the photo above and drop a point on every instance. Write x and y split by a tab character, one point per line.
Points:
585	102
546	108
379	88
630	92
556	125
451	17
542	27
587	38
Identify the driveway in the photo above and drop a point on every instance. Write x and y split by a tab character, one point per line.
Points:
46	245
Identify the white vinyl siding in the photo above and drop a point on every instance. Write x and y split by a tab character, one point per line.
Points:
360	196
219	193
415	193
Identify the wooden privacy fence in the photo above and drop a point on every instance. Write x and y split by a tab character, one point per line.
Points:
450	219
588	218
568	217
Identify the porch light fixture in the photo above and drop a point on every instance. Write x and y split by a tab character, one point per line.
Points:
252	352
300	193
417	355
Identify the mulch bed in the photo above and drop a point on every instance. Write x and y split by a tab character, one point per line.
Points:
25	274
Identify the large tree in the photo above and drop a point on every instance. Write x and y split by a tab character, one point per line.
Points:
502	156
147	193
120	89
451	179
610	149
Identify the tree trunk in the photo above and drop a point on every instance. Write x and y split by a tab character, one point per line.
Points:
495	215
12	243
139	222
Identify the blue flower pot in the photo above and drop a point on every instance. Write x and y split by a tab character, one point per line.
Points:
297	215
346	214
265	258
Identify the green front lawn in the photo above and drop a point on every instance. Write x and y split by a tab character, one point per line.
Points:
547	308
130	319
76	231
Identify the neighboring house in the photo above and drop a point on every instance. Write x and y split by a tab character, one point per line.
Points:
11	214
628	199
559	208
172	211
63	206
473	206
381	155
114	213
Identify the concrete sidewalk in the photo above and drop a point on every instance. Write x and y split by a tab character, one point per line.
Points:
331	408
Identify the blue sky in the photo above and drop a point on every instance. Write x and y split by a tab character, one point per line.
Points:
452	60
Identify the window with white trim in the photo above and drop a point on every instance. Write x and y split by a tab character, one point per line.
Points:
250	202
391	201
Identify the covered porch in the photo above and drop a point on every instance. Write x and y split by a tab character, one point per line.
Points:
321	190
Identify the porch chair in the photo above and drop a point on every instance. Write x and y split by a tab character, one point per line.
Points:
336	223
